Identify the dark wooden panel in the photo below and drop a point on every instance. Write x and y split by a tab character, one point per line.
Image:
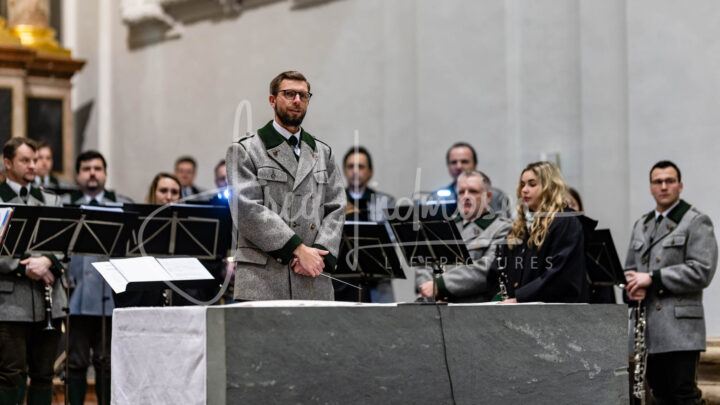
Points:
45	123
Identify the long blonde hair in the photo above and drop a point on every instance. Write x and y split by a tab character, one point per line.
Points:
551	196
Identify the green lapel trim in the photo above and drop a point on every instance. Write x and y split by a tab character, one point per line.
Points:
649	217
76	196
35	192
308	139
269	136
485	220
679	211
6	192
110	196
458	219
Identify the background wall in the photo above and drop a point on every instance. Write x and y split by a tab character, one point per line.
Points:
610	85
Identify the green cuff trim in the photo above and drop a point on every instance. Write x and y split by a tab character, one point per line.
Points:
329	259
285	254
496	298
56	268
442	291
657	280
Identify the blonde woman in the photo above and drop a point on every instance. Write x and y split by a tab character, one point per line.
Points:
544	259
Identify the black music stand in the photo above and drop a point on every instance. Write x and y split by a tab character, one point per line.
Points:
427	241
191	230
367	254
603	264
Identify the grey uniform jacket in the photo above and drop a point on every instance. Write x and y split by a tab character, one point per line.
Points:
23	299
681	254
277	203
468	282
86	298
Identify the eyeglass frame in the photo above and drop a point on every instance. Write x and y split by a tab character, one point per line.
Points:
297	93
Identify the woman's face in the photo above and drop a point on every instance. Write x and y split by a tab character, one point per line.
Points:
573	203
530	190
167	191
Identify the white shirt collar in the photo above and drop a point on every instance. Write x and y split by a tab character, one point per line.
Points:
98	198
667	211
284	132
16	186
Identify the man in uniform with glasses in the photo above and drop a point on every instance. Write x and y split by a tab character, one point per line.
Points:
287	202
672	258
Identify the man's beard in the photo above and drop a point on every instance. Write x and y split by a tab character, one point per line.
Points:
287	119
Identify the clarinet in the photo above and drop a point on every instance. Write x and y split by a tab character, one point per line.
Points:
502	277
48	307
640	355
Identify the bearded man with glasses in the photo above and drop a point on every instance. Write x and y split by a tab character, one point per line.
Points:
288	203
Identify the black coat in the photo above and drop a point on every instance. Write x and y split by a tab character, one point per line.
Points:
553	273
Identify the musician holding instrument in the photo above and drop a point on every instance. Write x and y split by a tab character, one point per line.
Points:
544	258
671	259
31	293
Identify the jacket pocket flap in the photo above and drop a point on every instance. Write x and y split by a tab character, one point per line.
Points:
479	244
678	240
689	311
6	286
637	244
250	255
321	177
271	174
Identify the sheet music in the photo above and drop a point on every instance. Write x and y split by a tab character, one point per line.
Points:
185	268
112	276
142	269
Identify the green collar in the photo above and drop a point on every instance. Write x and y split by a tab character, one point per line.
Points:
7	193
675	215
35	192
483	221
271	138
76	196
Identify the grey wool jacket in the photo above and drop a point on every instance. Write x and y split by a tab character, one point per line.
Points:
277	203
681	254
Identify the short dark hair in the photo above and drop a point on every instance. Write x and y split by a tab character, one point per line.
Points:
89	155
186	159
43	144
361	150
11	146
461	145
289	75
664	164
219	165
576	195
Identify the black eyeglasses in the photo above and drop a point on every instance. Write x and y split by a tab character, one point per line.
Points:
291	94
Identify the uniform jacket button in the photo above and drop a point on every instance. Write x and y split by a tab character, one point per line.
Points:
644	260
657	260
658	307
294	224
661	291
279	260
312	226
515	285
272	176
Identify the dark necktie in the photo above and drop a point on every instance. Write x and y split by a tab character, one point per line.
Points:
23	193
94	202
293	142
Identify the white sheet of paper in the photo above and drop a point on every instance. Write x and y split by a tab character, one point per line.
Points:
185	268
141	269
112	276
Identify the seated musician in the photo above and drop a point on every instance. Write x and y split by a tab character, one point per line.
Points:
544	257
481	231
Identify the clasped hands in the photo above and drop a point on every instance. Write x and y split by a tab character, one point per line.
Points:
308	261
38	268
637	284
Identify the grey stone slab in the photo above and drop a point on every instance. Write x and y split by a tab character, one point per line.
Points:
539	354
334	355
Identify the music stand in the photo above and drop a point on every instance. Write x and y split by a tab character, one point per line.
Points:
603	264
194	230
366	253
431	241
